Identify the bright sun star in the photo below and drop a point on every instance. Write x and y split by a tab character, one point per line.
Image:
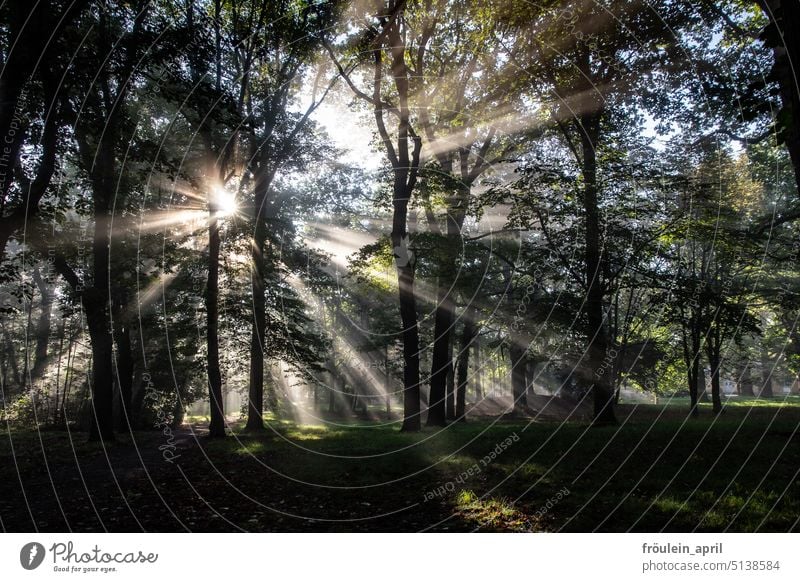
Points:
224	201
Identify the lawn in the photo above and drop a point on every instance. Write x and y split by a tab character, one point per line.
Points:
656	471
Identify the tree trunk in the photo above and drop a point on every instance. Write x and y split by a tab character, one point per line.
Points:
702	392
386	384
216	428
42	326
518	363
595	373
408	317
451	388
478	372
332	395
692	374
714	360
255	403
125	376
443	322
468	335
102	387
440	404
766	376
746	381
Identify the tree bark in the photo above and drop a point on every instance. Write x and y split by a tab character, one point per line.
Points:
255	403
451	385
410	335
596	375
440	366
404	167
102	418
42	325
714	361
518	361
216	428
746	381
125	364
468	335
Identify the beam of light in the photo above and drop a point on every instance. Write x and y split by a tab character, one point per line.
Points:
154	290
189	220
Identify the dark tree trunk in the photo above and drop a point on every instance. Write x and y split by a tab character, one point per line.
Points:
405	166
125	375
518	361
96	299
595	373
468	335
332	395
746	381
451	390
714	361
386	384
478	372
766	376
702	392
102	386
216	428
408	317
692	373
440	366
42	325
694	365
440	404
255	404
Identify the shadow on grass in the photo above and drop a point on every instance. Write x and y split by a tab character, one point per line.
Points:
736	472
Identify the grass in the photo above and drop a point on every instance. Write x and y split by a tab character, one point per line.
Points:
736	401
657	471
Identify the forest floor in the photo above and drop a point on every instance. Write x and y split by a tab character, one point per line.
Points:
658	470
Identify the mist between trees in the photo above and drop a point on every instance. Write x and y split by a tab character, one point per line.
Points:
562	201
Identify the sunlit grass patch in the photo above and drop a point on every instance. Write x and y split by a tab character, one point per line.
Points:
490	513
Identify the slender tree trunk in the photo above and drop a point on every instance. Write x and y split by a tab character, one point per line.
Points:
602	392
468	335
67	380
692	373
216	428
702	392
714	361
478	371
451	389
61	335
410	334
42	326
332	395
766	376
443	322
746	381
444	317
11	356
386	383
255	405
518	362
